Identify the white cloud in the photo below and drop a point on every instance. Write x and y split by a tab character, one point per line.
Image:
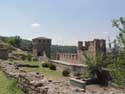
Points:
105	32
35	25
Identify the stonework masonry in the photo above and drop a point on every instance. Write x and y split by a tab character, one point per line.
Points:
41	46
91	48
69	57
36	83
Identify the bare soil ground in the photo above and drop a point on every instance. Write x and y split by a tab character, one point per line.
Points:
96	89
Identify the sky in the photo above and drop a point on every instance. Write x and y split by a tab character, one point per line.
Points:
64	21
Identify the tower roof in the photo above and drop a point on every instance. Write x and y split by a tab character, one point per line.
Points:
41	38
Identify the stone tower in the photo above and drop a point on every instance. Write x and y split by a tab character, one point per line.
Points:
91	48
41	46
80	51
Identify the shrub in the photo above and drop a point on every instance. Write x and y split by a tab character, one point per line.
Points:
65	73
34	59
52	66
46	65
29	57
23	57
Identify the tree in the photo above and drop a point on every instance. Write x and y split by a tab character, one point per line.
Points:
14	41
114	61
98	69
120	25
118	67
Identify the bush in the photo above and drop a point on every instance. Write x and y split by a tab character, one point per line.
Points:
23	57
46	65
65	73
29	57
52	67
34	59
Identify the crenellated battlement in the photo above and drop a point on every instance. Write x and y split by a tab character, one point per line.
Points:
91	48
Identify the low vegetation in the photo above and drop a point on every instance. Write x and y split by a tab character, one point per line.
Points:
49	65
52	67
50	74
8	86
65	73
113	62
46	65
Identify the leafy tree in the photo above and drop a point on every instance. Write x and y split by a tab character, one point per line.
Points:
114	61
97	68
14	41
29	57
118	67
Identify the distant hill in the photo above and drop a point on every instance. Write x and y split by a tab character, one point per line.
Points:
17	42
26	45
63	49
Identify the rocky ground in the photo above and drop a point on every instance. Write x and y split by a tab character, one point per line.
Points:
35	83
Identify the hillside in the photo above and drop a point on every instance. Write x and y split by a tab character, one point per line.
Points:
14	42
26	45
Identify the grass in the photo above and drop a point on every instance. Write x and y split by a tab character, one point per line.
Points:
50	74
25	62
30	62
8	86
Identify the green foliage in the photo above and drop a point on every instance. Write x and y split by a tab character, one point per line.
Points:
12	87
52	66
9	47
8	86
14	41
34	59
26	45
115	60
62	49
50	74
17	42
118	67
65	73
85	75
23	57
94	63
46	65
29	57
49	65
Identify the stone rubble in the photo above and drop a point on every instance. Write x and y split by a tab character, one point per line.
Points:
36	83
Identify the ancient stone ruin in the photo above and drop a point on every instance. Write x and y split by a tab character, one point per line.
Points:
91	48
35	83
41	45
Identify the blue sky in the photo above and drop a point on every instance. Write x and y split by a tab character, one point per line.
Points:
65	21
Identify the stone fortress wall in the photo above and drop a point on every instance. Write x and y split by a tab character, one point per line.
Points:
69	57
91	48
36	83
41	45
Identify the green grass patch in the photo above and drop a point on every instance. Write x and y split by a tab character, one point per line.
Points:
24	62
52	74
8	86
31	62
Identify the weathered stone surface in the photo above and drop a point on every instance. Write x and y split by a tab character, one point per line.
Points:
36	83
